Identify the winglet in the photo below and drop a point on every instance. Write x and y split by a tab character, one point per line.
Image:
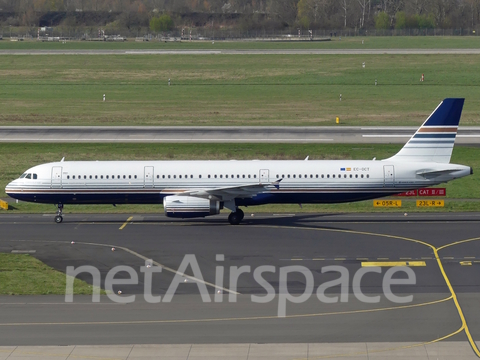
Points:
277	184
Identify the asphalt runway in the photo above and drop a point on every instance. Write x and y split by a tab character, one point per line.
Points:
222	134
447	244
214	51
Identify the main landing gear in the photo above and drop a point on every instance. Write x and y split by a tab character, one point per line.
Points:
59	217
236	217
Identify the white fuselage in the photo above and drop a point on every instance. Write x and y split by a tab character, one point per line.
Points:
148	182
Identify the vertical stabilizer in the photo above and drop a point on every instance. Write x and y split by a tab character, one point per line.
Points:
434	140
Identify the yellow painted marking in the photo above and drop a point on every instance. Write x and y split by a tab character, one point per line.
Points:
318	259
405	258
362	259
297	259
174	321
393	263
448	257
382	258
466	263
387	203
430	203
469	257
340	259
426	257
126	222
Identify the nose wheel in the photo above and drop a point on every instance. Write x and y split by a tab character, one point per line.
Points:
236	217
59	217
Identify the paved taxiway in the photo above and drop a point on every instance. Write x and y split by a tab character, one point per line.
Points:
222	134
446	243
214	51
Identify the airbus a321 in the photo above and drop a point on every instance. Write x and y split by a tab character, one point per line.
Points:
190	189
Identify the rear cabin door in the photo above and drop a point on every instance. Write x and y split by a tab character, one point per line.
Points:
389	175
264	175
56	177
148	177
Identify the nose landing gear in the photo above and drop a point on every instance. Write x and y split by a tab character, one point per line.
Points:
59	217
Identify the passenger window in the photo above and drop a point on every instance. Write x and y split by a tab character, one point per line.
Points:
299	176
368	175
68	177
107	176
135	176
345	176
163	176
328	176
277	176
238	176
333	176
249	176
199	176
209	176
226	176
350	176
255	176
243	176
179	176
288	176
221	176
73	177
362	176
322	176
191	176
356	176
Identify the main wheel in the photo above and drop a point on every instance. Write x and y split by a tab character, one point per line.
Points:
240	213
234	218
58	219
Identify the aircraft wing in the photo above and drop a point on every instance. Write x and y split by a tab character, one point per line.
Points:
232	192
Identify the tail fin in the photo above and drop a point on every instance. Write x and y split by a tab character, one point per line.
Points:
434	140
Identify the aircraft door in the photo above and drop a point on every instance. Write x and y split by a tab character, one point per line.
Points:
264	175
56	177
389	175
148	177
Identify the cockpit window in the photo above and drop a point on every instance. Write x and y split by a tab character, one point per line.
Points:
34	176
29	176
23	175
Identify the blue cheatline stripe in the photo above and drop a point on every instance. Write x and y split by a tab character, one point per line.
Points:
431	142
435	136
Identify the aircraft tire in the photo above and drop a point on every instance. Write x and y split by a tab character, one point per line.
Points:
58	219
234	218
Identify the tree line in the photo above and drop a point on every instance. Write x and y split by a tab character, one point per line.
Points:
258	14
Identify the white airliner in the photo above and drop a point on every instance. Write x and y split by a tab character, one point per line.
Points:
202	188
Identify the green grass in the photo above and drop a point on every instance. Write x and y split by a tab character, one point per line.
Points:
21	274
234	89
462	194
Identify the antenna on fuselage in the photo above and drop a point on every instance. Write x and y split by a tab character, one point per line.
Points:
62	159
306	158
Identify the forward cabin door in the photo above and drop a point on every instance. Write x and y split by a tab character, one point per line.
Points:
148	177
264	176
56	177
389	175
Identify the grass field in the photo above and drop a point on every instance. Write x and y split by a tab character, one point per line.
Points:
462	194
234	89
21	274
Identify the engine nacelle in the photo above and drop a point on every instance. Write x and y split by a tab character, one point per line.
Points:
189	206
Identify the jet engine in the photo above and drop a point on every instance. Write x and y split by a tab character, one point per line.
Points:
189	206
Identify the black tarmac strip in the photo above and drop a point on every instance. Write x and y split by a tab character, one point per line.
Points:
447	244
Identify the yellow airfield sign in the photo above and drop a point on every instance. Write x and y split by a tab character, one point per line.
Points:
387	203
